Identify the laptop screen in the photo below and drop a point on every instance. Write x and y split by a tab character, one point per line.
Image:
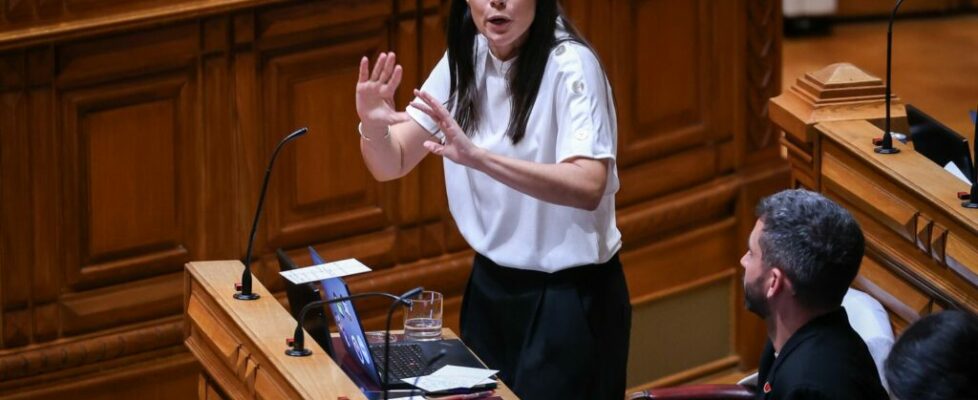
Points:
347	321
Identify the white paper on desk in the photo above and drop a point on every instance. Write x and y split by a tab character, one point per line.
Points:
954	170
453	377
319	272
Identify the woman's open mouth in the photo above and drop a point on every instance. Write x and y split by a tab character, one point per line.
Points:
498	22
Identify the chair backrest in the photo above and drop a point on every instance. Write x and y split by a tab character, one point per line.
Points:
870	320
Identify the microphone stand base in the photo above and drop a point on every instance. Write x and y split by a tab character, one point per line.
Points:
881	150
298	353
969	204
249	296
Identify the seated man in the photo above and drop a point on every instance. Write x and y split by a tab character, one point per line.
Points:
935	359
802	255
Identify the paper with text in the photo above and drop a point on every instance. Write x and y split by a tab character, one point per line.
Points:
319	272
453	377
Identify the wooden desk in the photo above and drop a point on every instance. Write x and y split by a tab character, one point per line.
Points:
921	245
241	344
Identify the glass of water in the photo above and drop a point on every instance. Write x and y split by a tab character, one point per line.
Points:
422	321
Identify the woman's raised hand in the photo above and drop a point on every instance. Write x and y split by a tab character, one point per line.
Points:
375	93
457	146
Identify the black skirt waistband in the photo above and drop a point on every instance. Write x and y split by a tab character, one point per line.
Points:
573	274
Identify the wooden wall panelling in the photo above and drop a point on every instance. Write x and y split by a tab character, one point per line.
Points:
128	151
247	121
16	208
763	70
667	107
218	186
673	272
46	264
321	189
45	21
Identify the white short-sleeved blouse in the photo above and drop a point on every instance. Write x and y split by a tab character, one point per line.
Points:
573	116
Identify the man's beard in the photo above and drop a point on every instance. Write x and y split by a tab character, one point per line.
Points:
754	298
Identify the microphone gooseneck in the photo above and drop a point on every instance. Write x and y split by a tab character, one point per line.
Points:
886	146
244	292
972	201
402	299
298	348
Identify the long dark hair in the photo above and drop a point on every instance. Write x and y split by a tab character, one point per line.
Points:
524	77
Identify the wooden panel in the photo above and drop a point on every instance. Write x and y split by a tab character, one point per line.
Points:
679	261
665	107
133	302
127	144
962	258
322	189
664	329
117	57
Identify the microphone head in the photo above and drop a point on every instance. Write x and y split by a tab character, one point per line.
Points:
296	133
405	298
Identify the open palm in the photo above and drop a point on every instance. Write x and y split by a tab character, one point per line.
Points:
375	92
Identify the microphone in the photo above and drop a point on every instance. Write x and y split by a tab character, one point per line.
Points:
387	334
298	349
972	200
244	288
886	146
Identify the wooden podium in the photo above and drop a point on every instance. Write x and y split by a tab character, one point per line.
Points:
921	245
241	344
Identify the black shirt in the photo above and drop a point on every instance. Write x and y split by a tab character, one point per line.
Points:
825	359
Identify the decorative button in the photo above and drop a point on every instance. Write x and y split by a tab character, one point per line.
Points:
560	50
579	87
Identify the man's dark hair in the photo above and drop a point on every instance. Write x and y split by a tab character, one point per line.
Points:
936	358
816	242
524	77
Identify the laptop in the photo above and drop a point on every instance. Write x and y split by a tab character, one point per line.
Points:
301	294
939	143
408	359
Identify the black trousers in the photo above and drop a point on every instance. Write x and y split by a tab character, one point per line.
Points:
551	336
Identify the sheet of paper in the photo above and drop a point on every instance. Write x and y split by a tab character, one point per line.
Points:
954	170
319	272
453	377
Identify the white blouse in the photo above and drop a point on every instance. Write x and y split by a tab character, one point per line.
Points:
573	116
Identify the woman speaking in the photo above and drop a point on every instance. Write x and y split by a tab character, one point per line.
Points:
523	116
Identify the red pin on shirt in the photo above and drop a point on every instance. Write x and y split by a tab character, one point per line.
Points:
767	387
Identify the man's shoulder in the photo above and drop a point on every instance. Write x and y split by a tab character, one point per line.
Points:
831	362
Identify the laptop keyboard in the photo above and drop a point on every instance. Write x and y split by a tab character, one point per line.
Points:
407	360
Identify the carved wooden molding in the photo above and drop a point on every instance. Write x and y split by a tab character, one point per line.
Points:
32	31
764	68
837	92
105	347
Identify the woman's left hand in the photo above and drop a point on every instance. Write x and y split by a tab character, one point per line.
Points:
457	146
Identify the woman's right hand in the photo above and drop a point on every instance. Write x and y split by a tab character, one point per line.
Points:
375	93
